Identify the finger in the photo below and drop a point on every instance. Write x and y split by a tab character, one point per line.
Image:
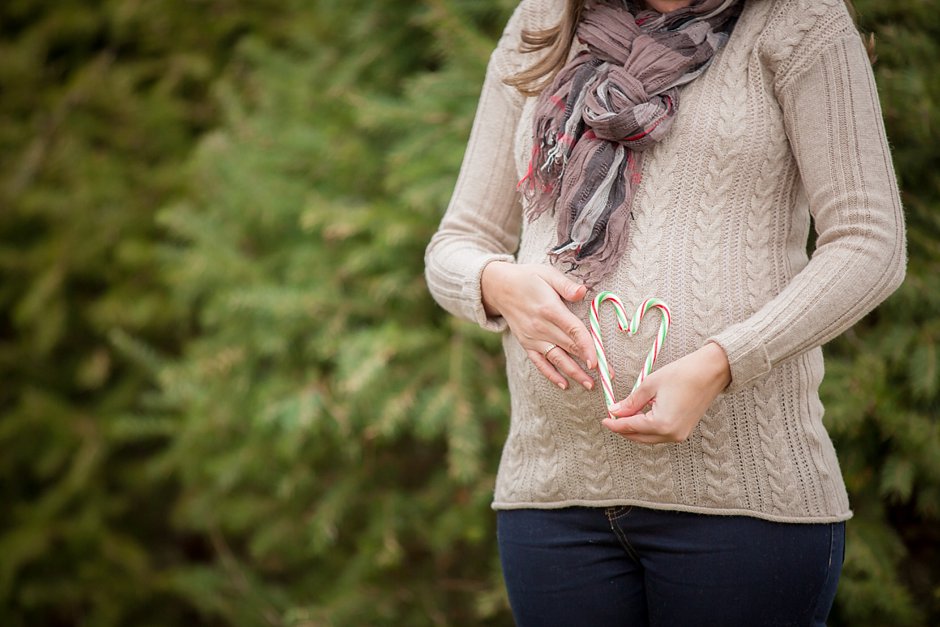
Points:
625	429
575	338
646	428
547	369
581	337
636	401
563	362
641	425
571	291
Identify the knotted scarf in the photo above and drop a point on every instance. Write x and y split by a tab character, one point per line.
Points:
607	105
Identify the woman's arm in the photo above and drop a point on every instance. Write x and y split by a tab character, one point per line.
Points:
834	123
484	216
835	127
470	266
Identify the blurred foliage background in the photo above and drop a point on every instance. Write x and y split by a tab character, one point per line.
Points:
227	398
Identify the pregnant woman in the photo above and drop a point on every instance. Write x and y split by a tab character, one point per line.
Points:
679	149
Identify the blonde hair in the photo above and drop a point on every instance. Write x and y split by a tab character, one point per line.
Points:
557	41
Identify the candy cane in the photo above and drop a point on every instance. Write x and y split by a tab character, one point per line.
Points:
631	328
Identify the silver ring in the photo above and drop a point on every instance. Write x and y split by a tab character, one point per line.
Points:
548	350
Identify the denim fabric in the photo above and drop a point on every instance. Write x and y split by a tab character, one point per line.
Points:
631	566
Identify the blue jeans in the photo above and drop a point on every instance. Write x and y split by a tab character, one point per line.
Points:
629	566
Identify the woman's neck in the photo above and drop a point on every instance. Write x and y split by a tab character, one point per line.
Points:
665	6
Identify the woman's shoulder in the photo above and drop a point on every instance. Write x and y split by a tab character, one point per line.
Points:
798	30
538	14
531	16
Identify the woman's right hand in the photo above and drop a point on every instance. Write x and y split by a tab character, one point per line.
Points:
530	298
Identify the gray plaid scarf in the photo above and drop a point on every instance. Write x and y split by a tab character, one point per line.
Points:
605	107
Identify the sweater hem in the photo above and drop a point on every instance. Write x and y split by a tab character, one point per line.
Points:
677	507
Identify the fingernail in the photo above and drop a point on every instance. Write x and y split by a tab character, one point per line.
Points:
562	385
588	384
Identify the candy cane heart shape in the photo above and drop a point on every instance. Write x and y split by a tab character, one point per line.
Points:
631	327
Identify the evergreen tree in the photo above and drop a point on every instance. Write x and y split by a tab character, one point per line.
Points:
250	412
99	105
83	155
387	376
339	432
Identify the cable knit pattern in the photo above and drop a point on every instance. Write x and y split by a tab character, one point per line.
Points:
761	225
727	96
783	127
648	221
792	29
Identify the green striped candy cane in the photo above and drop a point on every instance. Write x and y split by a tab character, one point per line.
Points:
631	327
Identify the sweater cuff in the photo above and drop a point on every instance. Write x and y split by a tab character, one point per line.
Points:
473	294
747	356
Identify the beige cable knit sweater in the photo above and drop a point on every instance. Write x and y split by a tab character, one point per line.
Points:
784	125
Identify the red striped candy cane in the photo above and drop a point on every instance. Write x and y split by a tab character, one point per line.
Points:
631	327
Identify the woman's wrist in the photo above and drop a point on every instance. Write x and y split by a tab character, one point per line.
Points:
490	279
721	368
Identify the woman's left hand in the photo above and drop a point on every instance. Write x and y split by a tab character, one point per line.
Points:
678	394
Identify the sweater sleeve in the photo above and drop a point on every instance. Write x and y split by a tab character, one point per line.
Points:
483	219
834	124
